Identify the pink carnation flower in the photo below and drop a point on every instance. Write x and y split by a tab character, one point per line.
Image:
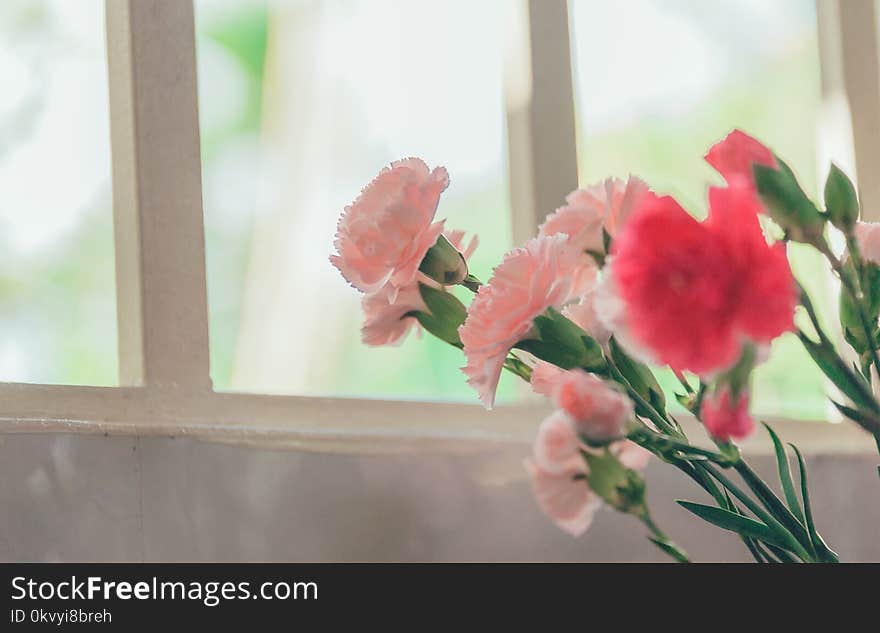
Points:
383	236
724	419
567	501
557	472
868	237
585	315
692	291
734	155
529	280
385	322
557	448
606	205
545	378
631	454
600	411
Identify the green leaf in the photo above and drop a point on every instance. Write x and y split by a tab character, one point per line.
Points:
837	372
785	475
841	200
734	522
824	552
866	420
774	504
782	555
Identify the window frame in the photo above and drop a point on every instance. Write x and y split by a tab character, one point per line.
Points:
165	387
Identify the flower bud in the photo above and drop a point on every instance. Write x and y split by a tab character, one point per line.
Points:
620	487
788	205
841	200
444	263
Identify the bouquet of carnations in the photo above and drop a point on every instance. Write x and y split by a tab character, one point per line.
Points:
618	282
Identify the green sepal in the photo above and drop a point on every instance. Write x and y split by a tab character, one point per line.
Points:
445	314
729	450
444	263
561	342
620	487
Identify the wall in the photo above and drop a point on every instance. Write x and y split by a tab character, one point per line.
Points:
82	498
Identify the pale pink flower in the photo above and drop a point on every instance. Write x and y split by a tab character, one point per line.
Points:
555	464
557	448
568	502
385	310
631	454
529	280
545	378
383	236
558	473
385	322
456	238
868	237
605	205
599	410
584	315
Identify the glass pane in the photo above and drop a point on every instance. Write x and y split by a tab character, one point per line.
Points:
302	103
57	295
658	81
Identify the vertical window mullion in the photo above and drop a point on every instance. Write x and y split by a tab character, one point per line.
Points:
861	80
157	194
542	154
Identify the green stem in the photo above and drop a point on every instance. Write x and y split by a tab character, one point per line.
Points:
655	416
660	442
662	541
853	287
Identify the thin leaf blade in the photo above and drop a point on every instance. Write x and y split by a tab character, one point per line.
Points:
734	522
822	548
785	479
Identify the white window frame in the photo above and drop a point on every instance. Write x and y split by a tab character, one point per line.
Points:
164	370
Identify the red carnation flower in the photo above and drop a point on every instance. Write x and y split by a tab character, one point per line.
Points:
734	155
695	291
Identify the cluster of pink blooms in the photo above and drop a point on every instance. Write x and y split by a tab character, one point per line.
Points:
672	290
